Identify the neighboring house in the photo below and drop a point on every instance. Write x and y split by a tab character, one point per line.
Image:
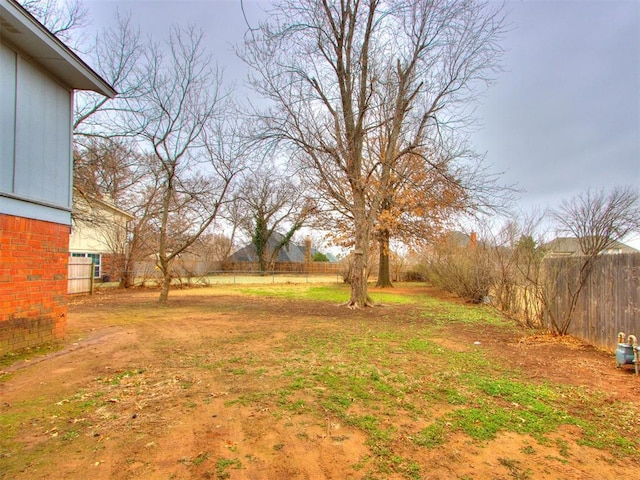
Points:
289	253
450	242
38	75
99	232
570	246
292	253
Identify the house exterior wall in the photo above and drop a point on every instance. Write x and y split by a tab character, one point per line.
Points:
113	267
38	74
33	282
105	234
35	202
35	141
108	234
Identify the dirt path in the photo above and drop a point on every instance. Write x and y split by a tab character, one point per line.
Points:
190	391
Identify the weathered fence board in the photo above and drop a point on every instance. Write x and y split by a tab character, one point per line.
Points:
609	302
80	275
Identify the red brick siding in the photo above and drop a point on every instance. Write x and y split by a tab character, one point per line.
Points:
33	282
113	266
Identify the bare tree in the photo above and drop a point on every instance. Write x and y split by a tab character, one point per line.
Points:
517	253
118	54
63	19
273	208
337	72
598	220
214	248
195	157
108	167
114	170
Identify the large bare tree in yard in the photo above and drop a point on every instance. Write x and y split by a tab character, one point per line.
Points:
194	151
338	74
272	207
598	220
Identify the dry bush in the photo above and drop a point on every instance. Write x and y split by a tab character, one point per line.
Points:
467	271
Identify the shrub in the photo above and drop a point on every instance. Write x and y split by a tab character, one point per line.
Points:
320	257
466	271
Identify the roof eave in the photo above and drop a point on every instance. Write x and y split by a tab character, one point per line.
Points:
20	28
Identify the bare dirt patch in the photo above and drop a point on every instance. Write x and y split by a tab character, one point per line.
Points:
213	386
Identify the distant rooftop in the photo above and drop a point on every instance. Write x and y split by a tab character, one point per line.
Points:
566	246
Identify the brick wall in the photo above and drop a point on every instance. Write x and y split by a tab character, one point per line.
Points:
33	282
113	266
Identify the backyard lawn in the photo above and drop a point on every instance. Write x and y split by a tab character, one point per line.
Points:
280	382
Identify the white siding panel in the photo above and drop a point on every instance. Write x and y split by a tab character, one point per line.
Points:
7	117
43	147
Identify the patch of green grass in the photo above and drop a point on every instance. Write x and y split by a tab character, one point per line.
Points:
492	405
117	377
563	448
293	406
328	293
388	297
515	471
443	311
223	464
57	424
70	435
507	405
606	437
201	458
28	353
355	374
454	397
335	293
516	391
528	450
432	436
358	370
419	345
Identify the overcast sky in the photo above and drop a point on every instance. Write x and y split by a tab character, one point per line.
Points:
564	115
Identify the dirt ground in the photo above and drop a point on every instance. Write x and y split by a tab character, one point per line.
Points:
160	404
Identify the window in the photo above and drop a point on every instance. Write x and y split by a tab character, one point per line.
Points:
97	261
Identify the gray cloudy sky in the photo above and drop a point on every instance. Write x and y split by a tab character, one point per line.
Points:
564	115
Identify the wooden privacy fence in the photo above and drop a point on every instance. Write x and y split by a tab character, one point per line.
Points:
317	268
80	275
609	302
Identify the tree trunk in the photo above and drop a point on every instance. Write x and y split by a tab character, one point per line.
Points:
384	274
359	295
262	264
127	280
166	283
